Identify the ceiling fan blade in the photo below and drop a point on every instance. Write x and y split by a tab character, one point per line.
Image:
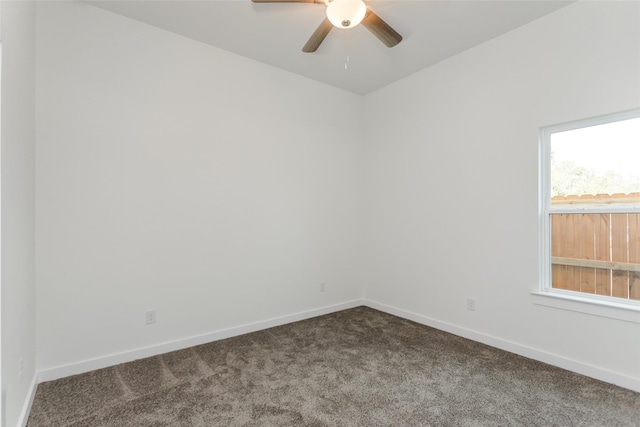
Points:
318	36
381	29
288	1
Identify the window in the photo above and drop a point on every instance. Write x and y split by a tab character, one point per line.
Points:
590	211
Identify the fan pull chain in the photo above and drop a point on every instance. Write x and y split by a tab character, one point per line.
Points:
346	48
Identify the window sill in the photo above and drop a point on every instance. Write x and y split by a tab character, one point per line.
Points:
628	312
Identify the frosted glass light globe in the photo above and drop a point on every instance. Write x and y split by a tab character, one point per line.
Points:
346	13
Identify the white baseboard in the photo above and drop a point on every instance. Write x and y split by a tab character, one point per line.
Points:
512	347
522	350
26	408
140	353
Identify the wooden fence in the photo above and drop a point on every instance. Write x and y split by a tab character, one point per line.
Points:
596	253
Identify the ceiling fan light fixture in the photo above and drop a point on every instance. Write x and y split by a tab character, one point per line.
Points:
346	13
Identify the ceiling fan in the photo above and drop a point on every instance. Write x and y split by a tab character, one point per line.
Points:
345	14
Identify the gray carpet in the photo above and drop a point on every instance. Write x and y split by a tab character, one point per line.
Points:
358	367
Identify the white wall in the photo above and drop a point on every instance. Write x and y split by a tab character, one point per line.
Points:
17	220
452	181
175	176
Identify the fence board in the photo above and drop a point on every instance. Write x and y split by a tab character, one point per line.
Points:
602	246
586	251
589	263
619	253
634	254
572	250
558	272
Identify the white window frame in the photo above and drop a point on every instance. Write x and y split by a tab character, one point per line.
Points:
616	308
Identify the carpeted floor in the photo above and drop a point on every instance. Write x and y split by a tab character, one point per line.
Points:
358	367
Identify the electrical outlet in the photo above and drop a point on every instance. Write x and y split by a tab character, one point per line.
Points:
323	287
151	317
471	304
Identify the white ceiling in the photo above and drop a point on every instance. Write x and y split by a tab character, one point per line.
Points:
274	33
